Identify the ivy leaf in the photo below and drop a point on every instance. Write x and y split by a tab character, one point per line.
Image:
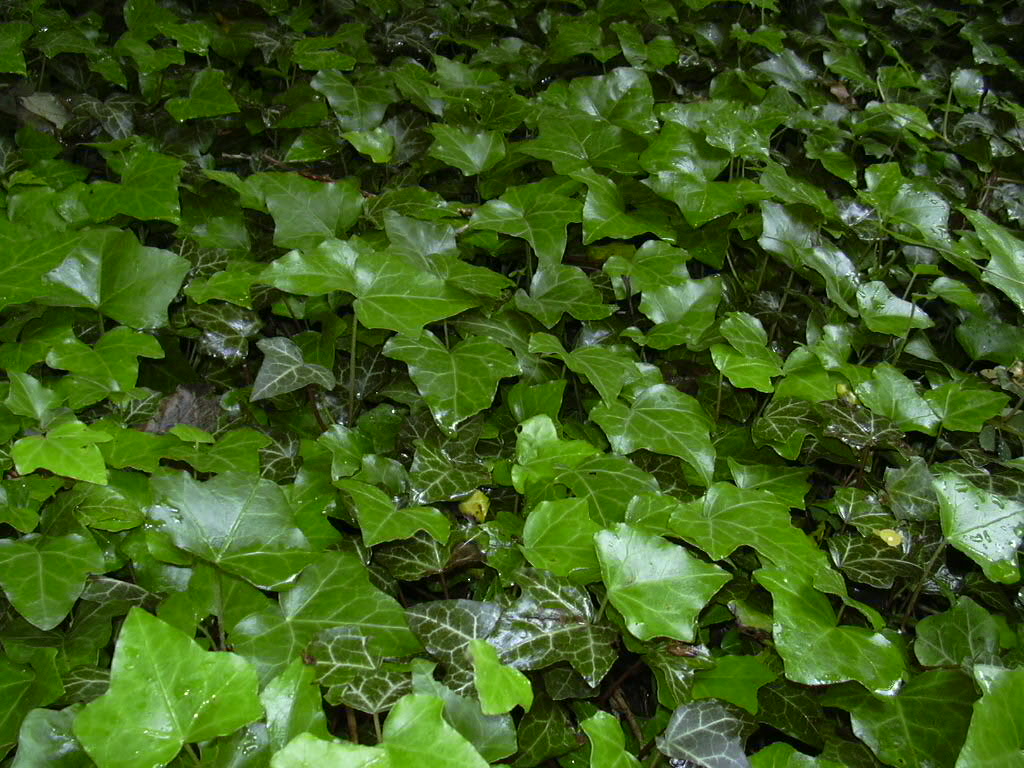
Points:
236	521
663	420
43	576
329	266
900	729
1004	267
559	536
891	394
148	188
657	586
333	590
537	216
965	408
458	383
964	635
500	688
701	201
985	526
560	288
607	742
817	651
472	152
706	733
207	97
884	312
283	370
128	282
746	361
293	705
606	369
553	621
416	733
608	483
69	450
604	211
380	521
447	627
165	692
305	211
578	141
358	106
992	737
735	679
308	751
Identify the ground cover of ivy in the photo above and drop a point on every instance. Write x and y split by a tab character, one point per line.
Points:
454	383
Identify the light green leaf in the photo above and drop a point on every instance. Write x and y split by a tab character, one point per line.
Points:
747	362
293	705
470	151
500	688
663	420
28	396
735	679
378	144
207	97
456	383
416	733
239	522
148	188
43	576
701	201
329	266
606	369
815	649
283	370
891	394
607	742
559	536
165	692
379	519
985	526
657	586
307	212
69	450
307	751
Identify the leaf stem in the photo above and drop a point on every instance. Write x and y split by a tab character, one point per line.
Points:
352	370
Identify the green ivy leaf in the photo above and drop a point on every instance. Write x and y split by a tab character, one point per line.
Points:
207	97
657	586
283	370
607	742
891	394
735	679
962	407
305	211
165	692
992	737
456	383
884	312
416	733
663	420
308	751
379	520
576	142
815	649
559	289
966	634
500	688
43	576
540	217
472	152
148	188
987	527
746	361
69	450
559	536
293	705
238	522
900	729
1004	269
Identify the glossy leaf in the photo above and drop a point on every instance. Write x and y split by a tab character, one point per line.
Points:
165	692
207	97
380	521
657	586
663	420
559	536
705	732
992	737
965	634
537	216
416	732
607	742
283	370
472	152
500	687
69	449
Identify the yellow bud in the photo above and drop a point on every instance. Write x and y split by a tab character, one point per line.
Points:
891	537
476	506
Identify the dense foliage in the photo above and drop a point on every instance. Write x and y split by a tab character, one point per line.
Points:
458	382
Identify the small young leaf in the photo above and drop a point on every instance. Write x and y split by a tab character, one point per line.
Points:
500	688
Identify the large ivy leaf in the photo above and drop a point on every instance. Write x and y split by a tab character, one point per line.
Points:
559	536
239	522
305	211
558	289
416	733
379	519
207	97
705	732
884	312
148	188
69	450
994	734
470	151
985	526
657	586
891	394
900	729
539	217
43	576
165	692
283	370
663	420
608	483
112	272
553	621
456	383
606	369
815	649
